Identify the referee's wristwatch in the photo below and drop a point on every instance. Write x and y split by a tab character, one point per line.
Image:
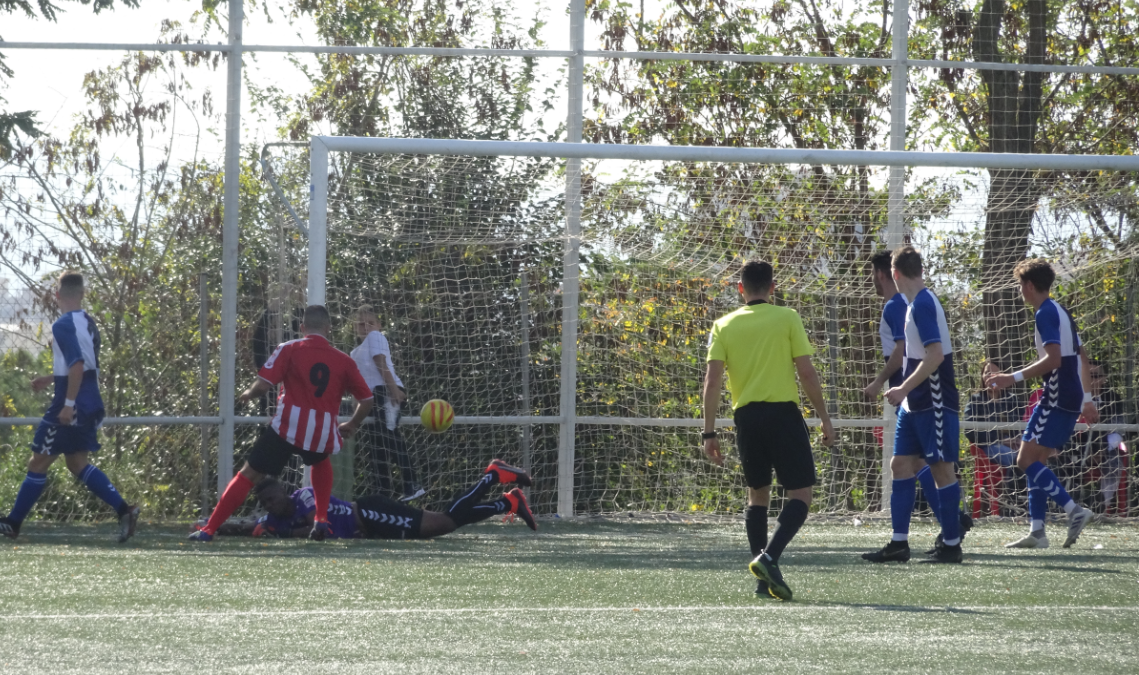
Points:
708	434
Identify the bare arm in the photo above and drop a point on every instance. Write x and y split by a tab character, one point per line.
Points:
1045	364
394	392
893	365
74	380
933	358
255	390
809	380
362	409
1091	413
713	380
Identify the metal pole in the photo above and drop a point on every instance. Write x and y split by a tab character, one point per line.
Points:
204	374
524	342
317	221
571	259
227	380
896	222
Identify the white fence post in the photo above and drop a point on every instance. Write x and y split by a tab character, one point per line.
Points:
570	284
227	379
896	223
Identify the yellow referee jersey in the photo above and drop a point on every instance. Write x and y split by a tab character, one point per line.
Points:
757	343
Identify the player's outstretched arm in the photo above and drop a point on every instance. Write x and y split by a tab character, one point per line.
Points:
1045	364
362	409
713	380
809	380
255	390
934	356
893	365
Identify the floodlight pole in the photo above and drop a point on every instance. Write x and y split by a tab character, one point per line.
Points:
896	202
571	260
227	378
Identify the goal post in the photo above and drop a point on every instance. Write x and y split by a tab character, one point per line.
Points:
678	191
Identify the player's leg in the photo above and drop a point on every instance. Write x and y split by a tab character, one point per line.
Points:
1037	512
929	490
392	439
496	473
78	463
787	445
757	470
904	466
381	517
376	452
1048	430
265	458
322	477
33	486
942	451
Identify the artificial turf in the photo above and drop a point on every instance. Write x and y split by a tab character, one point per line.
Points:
589	596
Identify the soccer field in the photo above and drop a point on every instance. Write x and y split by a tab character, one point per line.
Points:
594	596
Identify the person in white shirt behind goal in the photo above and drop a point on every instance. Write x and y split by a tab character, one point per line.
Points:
382	439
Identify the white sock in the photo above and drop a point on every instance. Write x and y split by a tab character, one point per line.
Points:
1037	526
901	536
1071	506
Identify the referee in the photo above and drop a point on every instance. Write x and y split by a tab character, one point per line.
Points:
761	347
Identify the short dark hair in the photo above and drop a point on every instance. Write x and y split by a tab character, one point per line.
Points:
1037	272
757	276
71	284
881	262
317	318
907	261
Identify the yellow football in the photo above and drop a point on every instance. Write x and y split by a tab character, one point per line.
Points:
437	415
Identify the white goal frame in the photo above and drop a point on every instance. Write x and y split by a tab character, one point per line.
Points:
568	419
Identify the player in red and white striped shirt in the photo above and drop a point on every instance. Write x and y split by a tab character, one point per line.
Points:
314	376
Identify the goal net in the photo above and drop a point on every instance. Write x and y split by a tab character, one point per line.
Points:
465	258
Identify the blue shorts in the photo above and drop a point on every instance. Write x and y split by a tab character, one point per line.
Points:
1050	427
58	439
934	435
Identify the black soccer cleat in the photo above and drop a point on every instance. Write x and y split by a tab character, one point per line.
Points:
127	523
762	590
766	569
946	554
9	528
895	551
965	523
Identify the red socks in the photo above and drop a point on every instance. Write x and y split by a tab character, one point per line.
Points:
233	497
321	489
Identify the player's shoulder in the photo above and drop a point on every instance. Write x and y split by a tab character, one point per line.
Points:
896	304
1050	308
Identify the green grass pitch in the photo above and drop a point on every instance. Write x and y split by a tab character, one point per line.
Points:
592	596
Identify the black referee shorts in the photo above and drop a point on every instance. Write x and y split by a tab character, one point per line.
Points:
774	436
384	518
271	453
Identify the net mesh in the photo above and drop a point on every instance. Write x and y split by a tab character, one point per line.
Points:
446	248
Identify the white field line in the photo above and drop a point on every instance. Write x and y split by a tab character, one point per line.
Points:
576	610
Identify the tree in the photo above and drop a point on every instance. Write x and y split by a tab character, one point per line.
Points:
1032	112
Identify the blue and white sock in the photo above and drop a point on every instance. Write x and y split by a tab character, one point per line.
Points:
1037	505
950	496
902	506
929	491
30	491
98	483
1047	481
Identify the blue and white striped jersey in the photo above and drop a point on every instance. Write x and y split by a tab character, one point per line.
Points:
925	325
1062	387
891	329
75	337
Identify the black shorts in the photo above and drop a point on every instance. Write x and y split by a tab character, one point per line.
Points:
271	453
774	436
384	518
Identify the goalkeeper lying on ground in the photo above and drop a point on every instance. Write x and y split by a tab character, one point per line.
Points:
378	517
